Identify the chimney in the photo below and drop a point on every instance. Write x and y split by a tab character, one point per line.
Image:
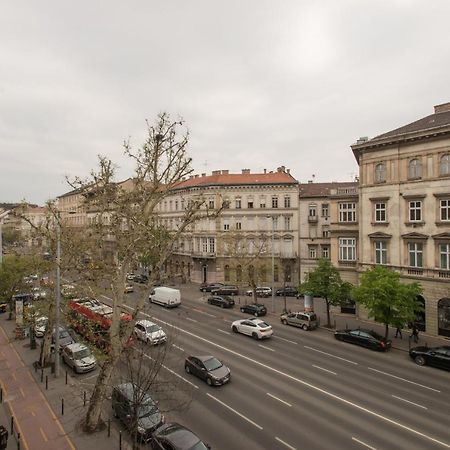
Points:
265	170
216	172
191	176
444	107
196	176
281	169
245	171
225	172
203	174
362	139
288	171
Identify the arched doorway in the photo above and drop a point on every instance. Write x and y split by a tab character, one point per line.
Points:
420	315
444	317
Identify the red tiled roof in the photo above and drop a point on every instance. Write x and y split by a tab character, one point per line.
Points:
237	179
322	189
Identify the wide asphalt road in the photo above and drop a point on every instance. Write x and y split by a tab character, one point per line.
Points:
301	390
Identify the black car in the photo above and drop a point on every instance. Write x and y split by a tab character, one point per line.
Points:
254	308
208	368
208	287
222	301
433	356
364	338
287	292
226	290
141	278
176	437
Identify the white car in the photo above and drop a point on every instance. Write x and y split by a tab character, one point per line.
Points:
40	326
256	328
129	288
149	332
260	292
38	293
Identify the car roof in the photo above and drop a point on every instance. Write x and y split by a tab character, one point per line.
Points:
76	347
256	320
203	358
145	322
180	436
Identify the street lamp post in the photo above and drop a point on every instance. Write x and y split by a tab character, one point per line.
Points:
58	294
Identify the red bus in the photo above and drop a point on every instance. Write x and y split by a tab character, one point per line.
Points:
92	319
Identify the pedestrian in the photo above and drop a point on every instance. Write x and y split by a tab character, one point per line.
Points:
415	333
398	332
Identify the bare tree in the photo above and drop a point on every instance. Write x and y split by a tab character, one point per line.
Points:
124	227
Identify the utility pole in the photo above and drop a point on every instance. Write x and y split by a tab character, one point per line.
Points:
58	293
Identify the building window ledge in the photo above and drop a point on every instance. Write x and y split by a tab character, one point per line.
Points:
380	224
443	223
415	224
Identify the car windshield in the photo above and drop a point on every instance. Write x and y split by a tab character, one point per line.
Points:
152	328
375	335
212	364
199	446
312	317
263	325
82	353
147	408
41	322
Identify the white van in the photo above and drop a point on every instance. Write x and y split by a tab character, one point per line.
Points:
165	296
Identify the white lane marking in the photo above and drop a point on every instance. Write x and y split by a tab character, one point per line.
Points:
403	379
326	370
174	373
407	401
267	348
203	312
236	412
179	348
279	399
329	354
287	340
223	331
363	443
305	383
192	320
284	443
104	296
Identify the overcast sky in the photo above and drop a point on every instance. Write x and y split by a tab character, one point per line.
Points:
259	83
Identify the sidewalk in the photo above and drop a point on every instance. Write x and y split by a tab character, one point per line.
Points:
47	413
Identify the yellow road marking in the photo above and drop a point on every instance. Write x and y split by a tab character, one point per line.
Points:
43	434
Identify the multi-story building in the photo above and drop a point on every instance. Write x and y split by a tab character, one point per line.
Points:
328	226
404	209
258	209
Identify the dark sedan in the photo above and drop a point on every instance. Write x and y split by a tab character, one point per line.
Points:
287	292
141	278
222	301
208	368
254	308
433	356
175	436
226	290
208	287
364	338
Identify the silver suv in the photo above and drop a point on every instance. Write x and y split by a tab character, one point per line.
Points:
304	320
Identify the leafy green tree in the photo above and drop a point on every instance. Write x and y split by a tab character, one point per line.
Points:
325	281
388	301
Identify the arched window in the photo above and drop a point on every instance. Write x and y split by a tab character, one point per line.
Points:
380	173
227	273
239	273
444	316
415	168
276	275
444	165
263	273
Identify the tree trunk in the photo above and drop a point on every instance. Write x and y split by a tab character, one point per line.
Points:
45	355
93	416
328	313
386	331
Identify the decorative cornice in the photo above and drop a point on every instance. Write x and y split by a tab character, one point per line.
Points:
418	236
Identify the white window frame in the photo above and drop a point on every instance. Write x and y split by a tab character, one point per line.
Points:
274	202
312	252
287	202
415	168
380	173
238	203
325	210
444	208
415	254
415	210
380	212
444	256
380	248
238	225
326	252
444	164
347	212
347	249
211	245
287	223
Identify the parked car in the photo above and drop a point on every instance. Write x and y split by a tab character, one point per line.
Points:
287	291
256	328
257	309
226	290
364	338
38	293
303	320
149	332
165	296
433	356
40	325
137	410
174	436
222	301
79	357
140	278
260	292
68	291
209	369
129	288
208	287
64	338
130	276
